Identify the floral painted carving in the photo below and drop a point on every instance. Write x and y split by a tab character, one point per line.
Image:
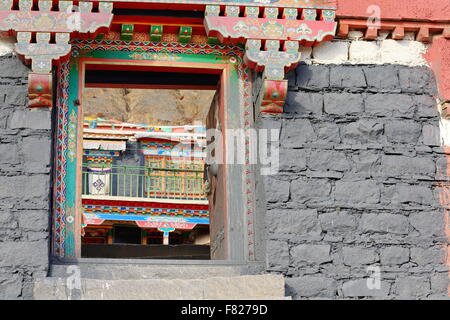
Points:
47	24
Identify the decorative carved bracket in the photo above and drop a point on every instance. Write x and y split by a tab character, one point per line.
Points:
280	36
42	53
274	64
47	23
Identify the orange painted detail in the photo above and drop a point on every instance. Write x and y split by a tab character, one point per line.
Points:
274	94
40	89
397	29
439	59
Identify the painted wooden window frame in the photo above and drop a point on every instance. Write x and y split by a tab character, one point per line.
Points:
237	95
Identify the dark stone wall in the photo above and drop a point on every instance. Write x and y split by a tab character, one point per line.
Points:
360	160
25	153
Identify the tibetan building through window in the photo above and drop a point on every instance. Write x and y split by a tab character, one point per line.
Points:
143	178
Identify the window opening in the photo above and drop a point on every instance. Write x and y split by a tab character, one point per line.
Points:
143	193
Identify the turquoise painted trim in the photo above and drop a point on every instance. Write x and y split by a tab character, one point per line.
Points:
71	165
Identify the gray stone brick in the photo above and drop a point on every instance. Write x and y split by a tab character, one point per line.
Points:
362	131
9	153
23	187
398	166
10	286
366	161
328	160
343	103
390	105
347	77
312	287
4	114
384	223
277	255
383	78
293	222
403	193
431	135
429	224
417	80
11	66
338	222
402	131
441	168
311	253
276	190
33	220
393	255
426	106
440	283
310	190
328	133
412	287
360	288
37	186
15	95
36	151
7	220
426	256
357	192
292	78
12	186
358	256
32	254
304	103
31	119
313	77
293	159
296	133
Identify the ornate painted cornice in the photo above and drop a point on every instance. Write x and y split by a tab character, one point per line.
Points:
308	30
49	22
271	31
45	20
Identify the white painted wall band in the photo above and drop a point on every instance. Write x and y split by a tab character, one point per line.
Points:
403	52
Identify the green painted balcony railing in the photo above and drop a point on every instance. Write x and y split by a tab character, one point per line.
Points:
142	182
